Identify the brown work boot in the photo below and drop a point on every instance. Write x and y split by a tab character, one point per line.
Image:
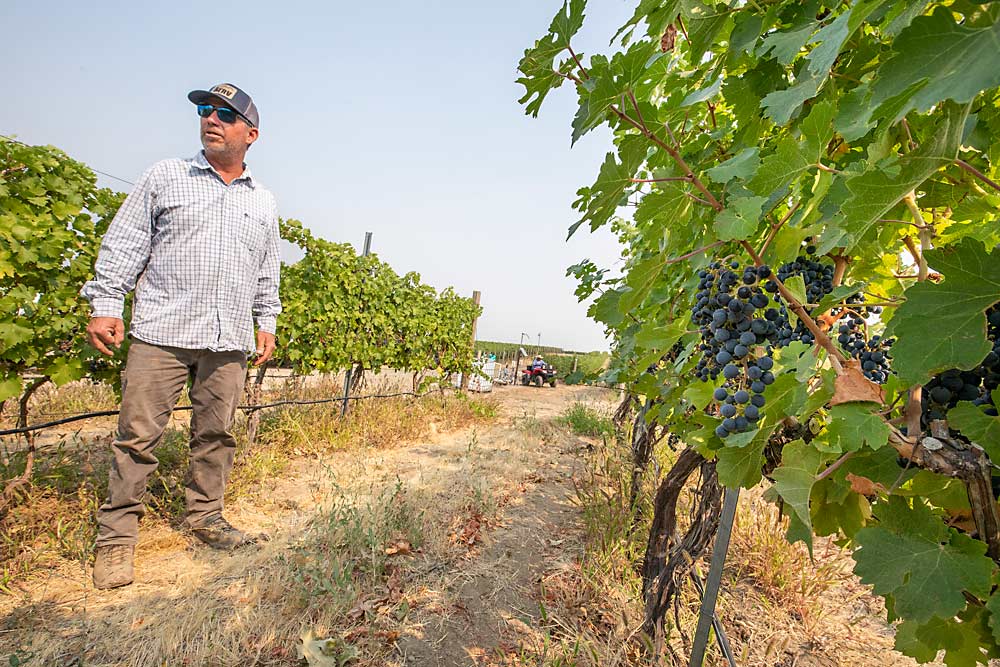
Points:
113	566
220	534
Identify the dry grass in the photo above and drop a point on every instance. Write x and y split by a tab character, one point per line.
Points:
338	577
52	521
779	606
344	571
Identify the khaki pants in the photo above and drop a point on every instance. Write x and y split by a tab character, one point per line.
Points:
153	380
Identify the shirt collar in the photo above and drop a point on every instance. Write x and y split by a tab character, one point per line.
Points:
201	162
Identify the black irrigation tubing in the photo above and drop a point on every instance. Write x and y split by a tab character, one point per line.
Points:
183	408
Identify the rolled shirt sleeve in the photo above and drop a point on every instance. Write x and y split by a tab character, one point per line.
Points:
267	303
124	252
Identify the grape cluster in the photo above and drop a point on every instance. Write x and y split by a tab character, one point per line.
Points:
737	324
945	390
817	276
743	320
873	353
849	329
818	279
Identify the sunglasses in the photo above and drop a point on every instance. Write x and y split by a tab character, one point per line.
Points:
225	114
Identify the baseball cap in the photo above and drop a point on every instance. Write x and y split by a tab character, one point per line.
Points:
234	97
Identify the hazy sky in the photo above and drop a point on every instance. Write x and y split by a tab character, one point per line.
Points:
396	118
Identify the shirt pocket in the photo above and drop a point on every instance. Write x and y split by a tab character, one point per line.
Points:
252	231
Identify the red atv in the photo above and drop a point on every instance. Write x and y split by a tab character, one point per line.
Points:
539	375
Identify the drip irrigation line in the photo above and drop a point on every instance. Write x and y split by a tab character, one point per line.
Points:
184	408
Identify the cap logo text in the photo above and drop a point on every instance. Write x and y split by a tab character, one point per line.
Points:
226	91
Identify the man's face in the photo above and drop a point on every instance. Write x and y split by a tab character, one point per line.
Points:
226	140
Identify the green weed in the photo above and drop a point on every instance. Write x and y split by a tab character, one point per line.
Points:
584	420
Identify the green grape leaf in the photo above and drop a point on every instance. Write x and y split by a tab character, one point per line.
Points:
950	56
908	643
977	426
993	607
797	286
799	532
740	218
817	130
704	22
785	397
796	357
740	466
12	334
661	337
568	21
64	370
837	509
743	165
853	426
838	295
821	395
794	479
702	94
608	81
925	566
699	394
874	192
779	169
541	75
953	309
960	639
538	64
787	243
785	45
600	201
781	104
10	386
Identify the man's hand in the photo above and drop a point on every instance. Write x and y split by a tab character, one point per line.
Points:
103	332
265	347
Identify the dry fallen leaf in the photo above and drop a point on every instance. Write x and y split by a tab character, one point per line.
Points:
390	636
852	385
470	532
399	548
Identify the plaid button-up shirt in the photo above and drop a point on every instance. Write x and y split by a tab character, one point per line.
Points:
202	256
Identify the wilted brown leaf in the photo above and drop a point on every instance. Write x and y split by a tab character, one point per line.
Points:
852	385
863	485
669	36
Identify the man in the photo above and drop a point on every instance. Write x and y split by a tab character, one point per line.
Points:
198	241
538	362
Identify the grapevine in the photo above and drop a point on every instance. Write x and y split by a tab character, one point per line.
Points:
850	152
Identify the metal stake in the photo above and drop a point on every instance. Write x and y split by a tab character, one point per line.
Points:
708	600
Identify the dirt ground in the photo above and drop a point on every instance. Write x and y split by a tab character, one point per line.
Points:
473	603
